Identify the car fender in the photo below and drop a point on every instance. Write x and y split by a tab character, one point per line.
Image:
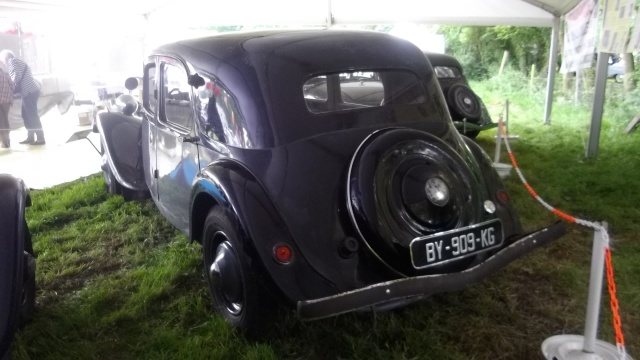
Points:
14	198
506	211
229	184
120	136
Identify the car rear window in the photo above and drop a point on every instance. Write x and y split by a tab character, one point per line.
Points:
351	90
447	72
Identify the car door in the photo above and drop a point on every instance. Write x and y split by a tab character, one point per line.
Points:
176	143
149	124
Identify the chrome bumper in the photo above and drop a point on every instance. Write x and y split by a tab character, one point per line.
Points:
423	286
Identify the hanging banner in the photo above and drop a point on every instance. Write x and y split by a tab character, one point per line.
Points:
581	24
617	22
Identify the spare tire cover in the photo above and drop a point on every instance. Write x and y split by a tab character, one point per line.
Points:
405	183
464	103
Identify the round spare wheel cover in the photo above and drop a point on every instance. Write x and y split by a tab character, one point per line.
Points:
464	102
388	200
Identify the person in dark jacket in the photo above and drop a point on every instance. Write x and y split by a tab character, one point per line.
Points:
29	89
6	98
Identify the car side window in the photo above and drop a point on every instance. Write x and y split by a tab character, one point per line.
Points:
177	97
150	96
220	116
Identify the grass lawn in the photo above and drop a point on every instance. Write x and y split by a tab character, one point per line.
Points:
116	281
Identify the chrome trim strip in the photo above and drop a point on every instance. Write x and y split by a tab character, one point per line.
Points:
350	208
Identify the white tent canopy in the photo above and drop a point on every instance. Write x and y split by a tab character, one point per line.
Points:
173	14
465	12
461	12
315	12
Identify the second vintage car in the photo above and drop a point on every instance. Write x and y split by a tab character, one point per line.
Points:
468	111
319	169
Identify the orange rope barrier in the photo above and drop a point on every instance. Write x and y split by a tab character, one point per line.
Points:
617	322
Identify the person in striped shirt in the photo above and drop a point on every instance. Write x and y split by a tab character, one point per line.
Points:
6	98
29	89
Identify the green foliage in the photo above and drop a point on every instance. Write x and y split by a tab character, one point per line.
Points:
480	49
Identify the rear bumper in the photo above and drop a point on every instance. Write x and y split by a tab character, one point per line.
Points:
423	286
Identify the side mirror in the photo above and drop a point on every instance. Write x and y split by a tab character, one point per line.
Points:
195	80
131	83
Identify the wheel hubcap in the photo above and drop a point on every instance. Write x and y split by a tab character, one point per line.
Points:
225	276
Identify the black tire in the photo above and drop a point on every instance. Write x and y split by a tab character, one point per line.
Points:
28	304
619	78
236	293
464	103
111	184
28	298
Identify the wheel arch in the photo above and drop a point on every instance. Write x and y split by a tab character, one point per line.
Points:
507	212
231	185
203	202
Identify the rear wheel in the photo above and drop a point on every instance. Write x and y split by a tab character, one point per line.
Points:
618	78
111	184
28	297
237	295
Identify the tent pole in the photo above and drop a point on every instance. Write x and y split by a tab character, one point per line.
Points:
598	105
551	76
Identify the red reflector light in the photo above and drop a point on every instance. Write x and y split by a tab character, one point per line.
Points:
503	196
283	253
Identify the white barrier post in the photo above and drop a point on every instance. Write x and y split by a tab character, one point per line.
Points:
505	133
503	169
587	347
496	159
595	292
510	137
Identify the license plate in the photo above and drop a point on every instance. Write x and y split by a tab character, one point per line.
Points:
456	244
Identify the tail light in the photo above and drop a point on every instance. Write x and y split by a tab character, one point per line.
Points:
503	196
283	253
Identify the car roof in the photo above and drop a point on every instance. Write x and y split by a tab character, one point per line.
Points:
266	70
319	47
437	59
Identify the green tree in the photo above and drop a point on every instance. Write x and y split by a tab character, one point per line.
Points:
480	49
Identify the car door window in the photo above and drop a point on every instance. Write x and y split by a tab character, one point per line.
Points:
177	97
220	116
150	96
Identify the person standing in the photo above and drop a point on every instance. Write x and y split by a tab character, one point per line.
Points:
29	89
6	98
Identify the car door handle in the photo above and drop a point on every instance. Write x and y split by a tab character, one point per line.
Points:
189	139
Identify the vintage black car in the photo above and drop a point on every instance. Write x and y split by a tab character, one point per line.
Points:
17	263
301	195
468	111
